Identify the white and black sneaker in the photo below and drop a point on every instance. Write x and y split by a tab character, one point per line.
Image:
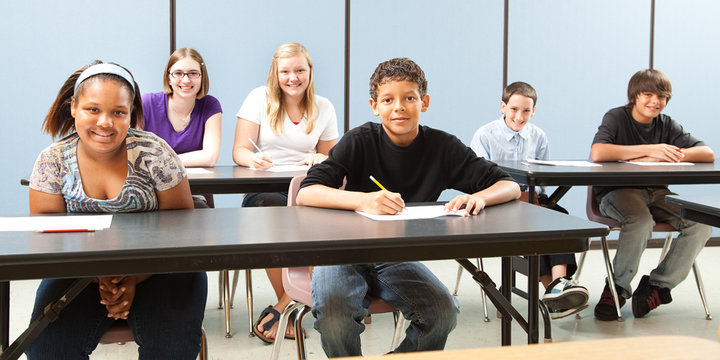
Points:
564	296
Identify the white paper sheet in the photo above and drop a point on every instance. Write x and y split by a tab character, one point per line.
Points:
415	212
197	171
66	223
286	168
578	163
658	163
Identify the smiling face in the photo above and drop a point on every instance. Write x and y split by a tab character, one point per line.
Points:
102	115
293	74
648	106
518	111
399	105
182	84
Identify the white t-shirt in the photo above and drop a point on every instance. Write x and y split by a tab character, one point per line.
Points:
293	144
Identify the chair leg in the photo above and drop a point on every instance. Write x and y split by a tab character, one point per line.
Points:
581	263
248	292
203	355
482	293
547	331
457	281
399	328
220	289
701	290
666	246
226	290
236	273
611	280
282	326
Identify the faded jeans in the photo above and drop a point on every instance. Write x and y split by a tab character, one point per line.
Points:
341	296
637	210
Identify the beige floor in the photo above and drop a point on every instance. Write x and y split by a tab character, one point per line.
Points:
683	316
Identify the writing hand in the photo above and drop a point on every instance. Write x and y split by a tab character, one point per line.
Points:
262	161
382	202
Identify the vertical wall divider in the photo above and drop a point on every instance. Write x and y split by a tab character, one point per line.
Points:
346	84
652	33
172	26
505	42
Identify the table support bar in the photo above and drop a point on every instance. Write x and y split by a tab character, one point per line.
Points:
50	314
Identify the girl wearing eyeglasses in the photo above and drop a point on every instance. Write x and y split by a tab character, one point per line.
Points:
184	114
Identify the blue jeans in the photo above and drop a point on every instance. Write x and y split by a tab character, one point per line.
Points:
341	296
637	209
265	199
165	318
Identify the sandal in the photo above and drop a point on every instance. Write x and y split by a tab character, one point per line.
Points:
268	325
291	322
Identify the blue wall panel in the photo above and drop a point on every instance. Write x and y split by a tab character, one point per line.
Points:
43	43
579	56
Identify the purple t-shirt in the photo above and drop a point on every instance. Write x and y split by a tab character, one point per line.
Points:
191	138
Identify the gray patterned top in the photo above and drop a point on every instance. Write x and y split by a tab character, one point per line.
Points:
152	166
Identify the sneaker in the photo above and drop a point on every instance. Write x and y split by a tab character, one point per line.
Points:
557	313
647	297
565	294
605	308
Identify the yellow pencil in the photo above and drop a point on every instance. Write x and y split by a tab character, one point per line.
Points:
377	183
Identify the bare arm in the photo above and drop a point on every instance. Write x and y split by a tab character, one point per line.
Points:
41	202
699	154
177	197
243	149
378	202
500	192
210	151
658	152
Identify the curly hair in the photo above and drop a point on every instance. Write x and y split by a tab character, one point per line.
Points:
397	69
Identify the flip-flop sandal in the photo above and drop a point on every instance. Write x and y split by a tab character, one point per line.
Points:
292	316
268	325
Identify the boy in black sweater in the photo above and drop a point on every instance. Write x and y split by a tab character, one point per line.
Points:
416	163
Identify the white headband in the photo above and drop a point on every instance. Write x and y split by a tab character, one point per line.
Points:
105	69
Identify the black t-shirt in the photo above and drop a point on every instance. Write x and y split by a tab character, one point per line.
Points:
620	128
433	162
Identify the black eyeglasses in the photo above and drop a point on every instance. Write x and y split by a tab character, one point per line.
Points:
181	74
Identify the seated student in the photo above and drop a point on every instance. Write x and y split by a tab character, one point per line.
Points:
184	115
639	132
291	125
416	163
103	164
513	137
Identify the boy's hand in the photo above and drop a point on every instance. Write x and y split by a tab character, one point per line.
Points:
312	160
471	204
665	152
262	161
382	202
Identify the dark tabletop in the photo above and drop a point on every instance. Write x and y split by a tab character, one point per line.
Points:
613	173
237	238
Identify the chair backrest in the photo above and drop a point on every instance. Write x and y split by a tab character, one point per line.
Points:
293	189
593	211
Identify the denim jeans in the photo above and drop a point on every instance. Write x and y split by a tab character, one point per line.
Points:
341	296
637	209
265	199
165	319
